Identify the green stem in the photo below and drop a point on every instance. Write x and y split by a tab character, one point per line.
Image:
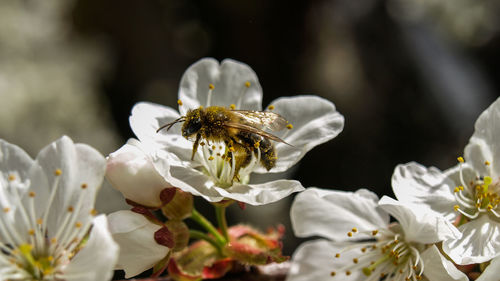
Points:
201	220
220	212
200	235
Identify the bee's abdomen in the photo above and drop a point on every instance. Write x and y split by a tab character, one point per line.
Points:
253	142
267	154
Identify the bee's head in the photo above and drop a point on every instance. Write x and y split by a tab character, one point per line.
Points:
192	123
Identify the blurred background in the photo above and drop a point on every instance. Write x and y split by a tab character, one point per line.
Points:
410	76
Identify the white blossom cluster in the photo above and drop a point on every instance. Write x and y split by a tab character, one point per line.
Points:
445	224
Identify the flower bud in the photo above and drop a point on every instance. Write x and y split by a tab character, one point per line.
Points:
136	235
130	171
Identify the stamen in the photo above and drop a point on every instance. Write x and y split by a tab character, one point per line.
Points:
179	102
270	107
232	106
209	95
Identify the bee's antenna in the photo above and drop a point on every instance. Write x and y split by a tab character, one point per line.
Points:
169	125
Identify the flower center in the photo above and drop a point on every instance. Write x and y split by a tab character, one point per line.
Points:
477	196
26	244
386	257
221	163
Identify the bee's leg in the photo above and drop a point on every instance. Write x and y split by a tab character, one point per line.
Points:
195	146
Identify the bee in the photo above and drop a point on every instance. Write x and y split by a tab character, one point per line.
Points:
241	130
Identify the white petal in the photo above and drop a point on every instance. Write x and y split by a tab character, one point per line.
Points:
428	188
18	171
315	260
438	268
130	170
315	121
480	242
484	145
260	194
81	165
418	224
332	214
13	158
96	261
135	235
228	79
491	272
188	179
147	118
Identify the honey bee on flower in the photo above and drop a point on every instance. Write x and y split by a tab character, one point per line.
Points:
226	136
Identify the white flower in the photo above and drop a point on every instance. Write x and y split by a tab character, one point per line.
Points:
47	213
468	194
373	248
139	250
130	170
233	85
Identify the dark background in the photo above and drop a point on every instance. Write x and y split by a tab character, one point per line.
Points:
409	89
410	77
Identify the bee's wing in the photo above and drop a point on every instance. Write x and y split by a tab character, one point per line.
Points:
261	119
250	129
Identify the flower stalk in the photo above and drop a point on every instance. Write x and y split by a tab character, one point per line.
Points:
220	212
207	225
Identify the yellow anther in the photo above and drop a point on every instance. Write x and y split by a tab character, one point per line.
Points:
489	207
349	234
348	273
70	209
214	147
6	209
232	106
78	224
414	267
461	188
12	177
202	143
382	275
337	255
271	107
31	232
460	159
487	163
289	126
256	144
231	149
363	250
53	240
58	172
83	186
456	189
478	187
211	86
247	84
419	277
39	221
332	273
179	102
50	258
374	232
355	260
211	158
354	229
93	212
31	194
